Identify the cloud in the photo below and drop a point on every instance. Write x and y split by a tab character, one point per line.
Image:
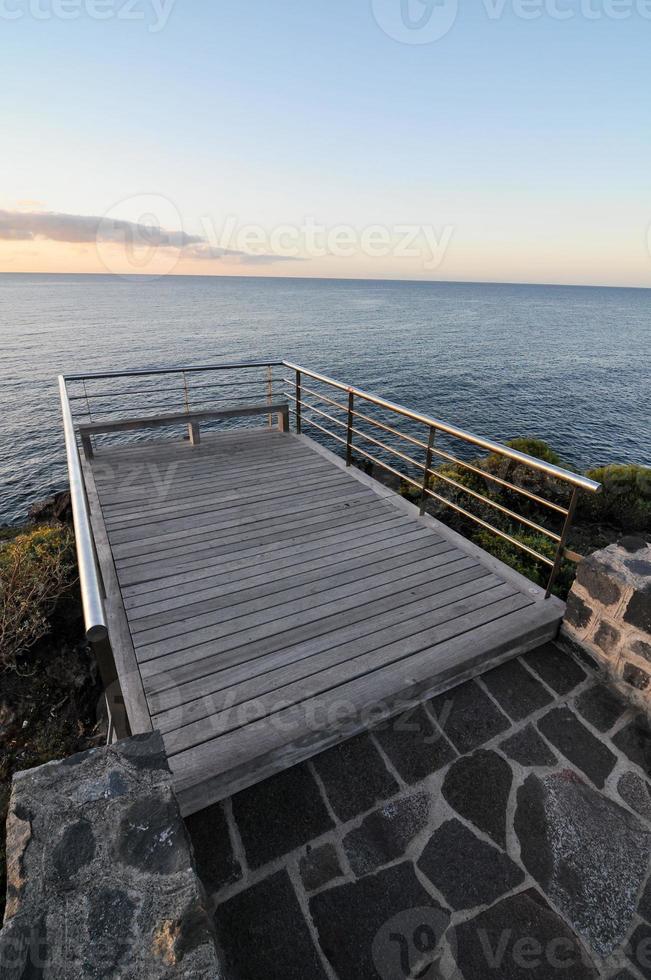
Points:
29	226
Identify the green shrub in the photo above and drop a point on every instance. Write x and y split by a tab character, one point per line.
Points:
625	500
36	570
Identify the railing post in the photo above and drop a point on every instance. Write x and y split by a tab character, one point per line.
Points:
298	402
349	430
561	544
428	466
270	382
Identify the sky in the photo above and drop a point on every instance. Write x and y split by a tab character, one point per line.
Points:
492	140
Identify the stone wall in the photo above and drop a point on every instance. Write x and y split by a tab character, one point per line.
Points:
609	615
101	881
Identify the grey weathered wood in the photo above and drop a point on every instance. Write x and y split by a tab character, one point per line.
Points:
217	673
123	653
266	577
158	421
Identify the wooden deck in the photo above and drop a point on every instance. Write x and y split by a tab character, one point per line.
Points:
265	602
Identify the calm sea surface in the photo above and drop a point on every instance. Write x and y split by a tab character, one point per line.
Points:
568	365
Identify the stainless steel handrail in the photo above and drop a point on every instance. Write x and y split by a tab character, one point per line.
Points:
89	582
576	479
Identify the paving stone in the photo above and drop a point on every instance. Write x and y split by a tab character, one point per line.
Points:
634	741
478	787
372	922
644	905
557	668
639	952
528	748
588	854
466	870
355	776
600	706
520	938
215	862
636	677
638	611
636	792
264	936
564	730
319	866
516	690
280	814
468	716
414	745
385	834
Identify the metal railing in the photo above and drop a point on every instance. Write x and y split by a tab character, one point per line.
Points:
350	423
350	428
89	580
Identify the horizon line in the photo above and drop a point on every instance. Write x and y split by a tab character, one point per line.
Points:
378	279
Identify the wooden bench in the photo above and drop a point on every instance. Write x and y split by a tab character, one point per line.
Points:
192	419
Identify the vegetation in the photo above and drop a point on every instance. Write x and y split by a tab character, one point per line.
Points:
623	506
49	689
37	570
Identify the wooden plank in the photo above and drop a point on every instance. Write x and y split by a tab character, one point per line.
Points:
314	507
126	541
124	655
188	597
219	767
355	521
216	673
276	556
132	487
285	632
257	615
237	687
235	541
165	493
195	498
276	594
183	732
157	421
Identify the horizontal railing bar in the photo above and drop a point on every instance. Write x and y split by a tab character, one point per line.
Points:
140	372
489	527
503	483
494	447
147	405
311	408
316	394
459	486
98	395
460	510
321	429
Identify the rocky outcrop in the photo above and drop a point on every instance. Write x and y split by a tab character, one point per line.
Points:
609	615
100	875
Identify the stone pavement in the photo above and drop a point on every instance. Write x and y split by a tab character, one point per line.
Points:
502	830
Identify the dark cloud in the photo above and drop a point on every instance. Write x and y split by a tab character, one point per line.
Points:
27	226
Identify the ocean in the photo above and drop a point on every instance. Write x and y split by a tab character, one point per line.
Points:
569	365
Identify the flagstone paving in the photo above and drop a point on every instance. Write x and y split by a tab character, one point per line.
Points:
502	830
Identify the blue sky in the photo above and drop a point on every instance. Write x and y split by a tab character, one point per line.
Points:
523	144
